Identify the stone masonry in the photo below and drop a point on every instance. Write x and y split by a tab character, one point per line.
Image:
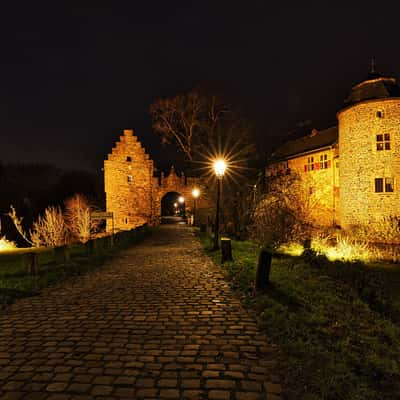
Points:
365	190
157	322
133	193
361	162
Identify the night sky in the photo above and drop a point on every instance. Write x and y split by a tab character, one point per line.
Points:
72	77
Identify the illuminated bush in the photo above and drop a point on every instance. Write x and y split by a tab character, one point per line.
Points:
6	244
50	228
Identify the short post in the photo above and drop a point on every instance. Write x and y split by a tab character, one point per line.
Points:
263	269
32	263
226	250
62	254
91	246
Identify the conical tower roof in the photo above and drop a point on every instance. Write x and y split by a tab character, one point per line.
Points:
374	86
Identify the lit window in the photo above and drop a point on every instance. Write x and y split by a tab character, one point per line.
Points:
383	142
324	163
384	185
389	185
129	159
378	185
310	164
129	178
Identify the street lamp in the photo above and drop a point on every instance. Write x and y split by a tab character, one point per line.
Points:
195	194
219	169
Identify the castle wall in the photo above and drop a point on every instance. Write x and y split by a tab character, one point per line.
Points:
361	162
319	184
133	194
128	181
318	172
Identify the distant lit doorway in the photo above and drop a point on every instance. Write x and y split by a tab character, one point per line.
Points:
173	208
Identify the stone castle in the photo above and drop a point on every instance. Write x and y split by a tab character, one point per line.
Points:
353	169
134	193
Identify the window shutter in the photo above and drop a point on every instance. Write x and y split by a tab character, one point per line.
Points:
329	163
305	168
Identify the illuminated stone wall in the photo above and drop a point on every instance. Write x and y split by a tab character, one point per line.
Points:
319	188
320	180
361	162
128	182
133	194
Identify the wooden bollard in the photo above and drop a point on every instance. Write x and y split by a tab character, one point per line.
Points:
91	246
226	250
32	263
62	254
263	269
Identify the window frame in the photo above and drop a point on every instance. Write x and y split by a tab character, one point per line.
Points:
384	184
383	142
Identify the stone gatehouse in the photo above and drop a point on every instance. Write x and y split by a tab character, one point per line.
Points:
134	193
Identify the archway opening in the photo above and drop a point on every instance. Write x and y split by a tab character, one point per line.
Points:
173	207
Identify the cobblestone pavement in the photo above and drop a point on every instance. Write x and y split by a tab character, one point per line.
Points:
158	321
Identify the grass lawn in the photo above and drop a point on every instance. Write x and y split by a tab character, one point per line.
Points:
337	323
15	282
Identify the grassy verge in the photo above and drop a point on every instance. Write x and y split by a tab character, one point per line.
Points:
339	340
15	282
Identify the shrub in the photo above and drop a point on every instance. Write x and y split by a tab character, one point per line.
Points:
50	229
282	214
77	216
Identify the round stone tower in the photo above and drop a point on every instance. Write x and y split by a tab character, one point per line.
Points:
369	148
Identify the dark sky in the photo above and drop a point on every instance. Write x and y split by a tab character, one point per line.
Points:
72	77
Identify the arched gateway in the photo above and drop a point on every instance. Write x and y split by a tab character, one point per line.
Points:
133	193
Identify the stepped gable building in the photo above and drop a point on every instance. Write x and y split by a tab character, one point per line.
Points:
352	170
133	192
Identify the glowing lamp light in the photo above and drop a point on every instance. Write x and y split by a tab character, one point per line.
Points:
195	193
181	199
219	167
175	205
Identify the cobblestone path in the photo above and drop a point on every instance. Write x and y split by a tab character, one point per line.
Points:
158	321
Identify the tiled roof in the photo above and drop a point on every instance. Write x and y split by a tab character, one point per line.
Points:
314	141
375	86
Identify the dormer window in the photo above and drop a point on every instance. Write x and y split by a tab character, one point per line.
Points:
383	142
130	178
129	158
380	114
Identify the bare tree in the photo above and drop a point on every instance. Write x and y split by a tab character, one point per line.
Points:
77	216
50	229
200	125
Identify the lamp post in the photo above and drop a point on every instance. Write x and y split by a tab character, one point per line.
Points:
195	194
219	169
